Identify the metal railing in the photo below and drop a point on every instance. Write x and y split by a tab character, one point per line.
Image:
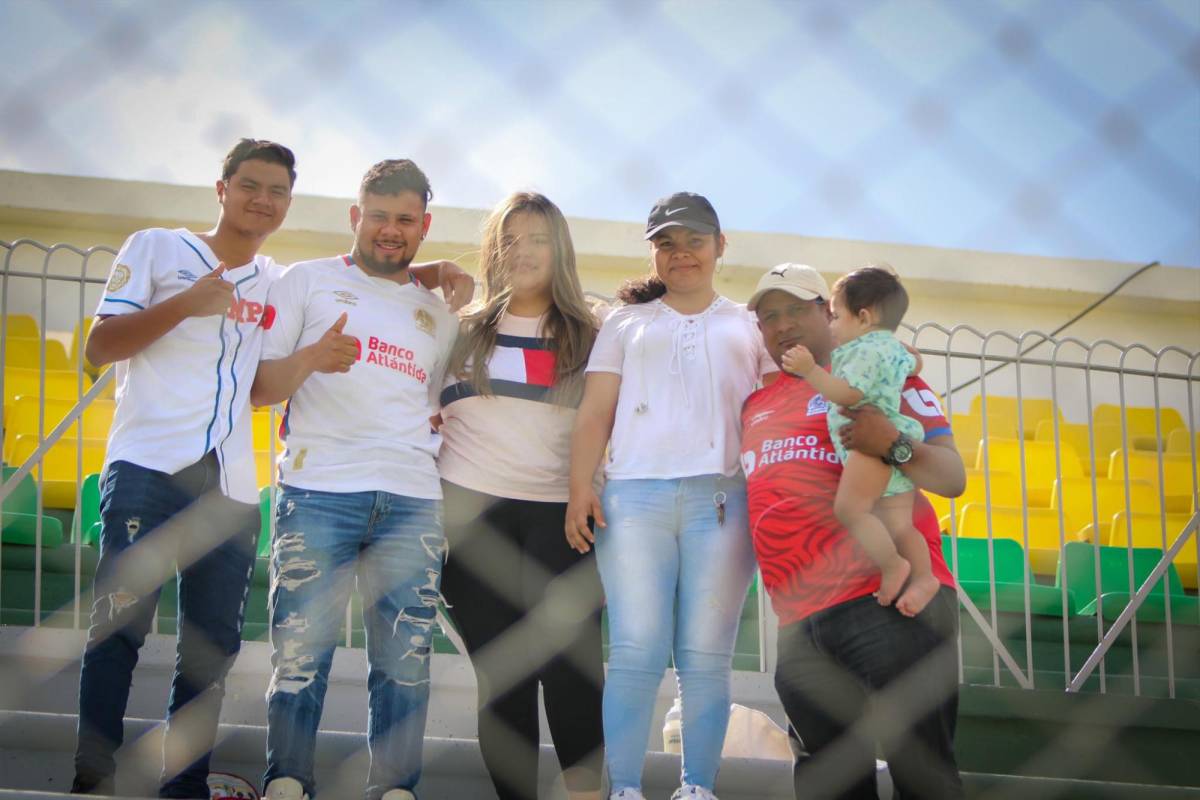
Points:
1074	376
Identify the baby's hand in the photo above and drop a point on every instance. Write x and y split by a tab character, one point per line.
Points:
798	360
916	354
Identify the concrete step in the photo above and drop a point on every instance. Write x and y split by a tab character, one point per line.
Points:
35	764
41	673
36	751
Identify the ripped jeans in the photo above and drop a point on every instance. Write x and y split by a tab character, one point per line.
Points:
394	546
154	527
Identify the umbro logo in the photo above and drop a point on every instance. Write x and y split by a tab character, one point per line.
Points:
346	297
759	417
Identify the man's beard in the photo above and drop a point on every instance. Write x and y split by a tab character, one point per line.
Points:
377	266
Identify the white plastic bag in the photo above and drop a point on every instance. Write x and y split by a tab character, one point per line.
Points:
753	734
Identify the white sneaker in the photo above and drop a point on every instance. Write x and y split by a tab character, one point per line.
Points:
691	791
398	794
285	789
627	794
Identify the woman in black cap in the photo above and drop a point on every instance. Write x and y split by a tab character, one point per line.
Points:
665	386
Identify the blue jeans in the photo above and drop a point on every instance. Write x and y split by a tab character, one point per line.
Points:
675	577
156	526
394	546
835	663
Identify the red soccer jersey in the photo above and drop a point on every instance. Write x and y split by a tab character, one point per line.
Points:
808	560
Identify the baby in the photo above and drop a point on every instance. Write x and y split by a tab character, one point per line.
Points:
869	366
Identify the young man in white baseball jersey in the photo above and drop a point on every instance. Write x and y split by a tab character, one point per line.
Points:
182	316
358	350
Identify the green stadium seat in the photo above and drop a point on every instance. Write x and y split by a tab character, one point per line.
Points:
21	514
1011	573
1078	570
266	512
87	515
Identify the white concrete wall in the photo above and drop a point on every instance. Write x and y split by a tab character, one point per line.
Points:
987	291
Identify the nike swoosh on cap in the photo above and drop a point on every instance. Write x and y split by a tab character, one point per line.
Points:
669	212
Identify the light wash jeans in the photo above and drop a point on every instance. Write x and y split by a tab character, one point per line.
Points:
675	579
323	541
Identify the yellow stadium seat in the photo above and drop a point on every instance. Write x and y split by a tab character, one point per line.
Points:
968	429
78	338
1005	491
264	467
1008	523
62	477
1178	474
264	432
1110	498
1178	442
1108	439
60	384
27	354
22	326
1148	532
1140	421
1033	410
22	419
1004	455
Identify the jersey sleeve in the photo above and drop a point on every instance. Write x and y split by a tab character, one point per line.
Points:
608	352
132	280
919	402
766	364
447	334
860	367
288	298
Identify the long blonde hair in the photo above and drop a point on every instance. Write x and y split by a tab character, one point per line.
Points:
570	322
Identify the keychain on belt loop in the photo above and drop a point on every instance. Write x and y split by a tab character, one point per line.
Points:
719	502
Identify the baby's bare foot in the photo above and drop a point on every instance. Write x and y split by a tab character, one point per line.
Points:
892	578
917	595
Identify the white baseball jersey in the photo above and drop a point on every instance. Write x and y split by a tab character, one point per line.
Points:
189	391
367	429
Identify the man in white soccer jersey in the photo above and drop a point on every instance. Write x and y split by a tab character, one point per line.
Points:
182	315
358	349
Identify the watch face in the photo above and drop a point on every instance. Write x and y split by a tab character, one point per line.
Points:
902	450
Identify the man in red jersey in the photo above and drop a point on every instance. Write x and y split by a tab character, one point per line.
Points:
850	672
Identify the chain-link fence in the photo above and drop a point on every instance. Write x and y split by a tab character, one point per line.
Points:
1074	546
1064	128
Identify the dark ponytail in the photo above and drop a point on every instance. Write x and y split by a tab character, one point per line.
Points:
641	290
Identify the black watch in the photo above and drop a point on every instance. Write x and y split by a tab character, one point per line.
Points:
901	452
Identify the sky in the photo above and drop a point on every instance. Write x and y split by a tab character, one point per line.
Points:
1067	128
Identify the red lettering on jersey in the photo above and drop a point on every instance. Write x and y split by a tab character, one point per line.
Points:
268	317
245	311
